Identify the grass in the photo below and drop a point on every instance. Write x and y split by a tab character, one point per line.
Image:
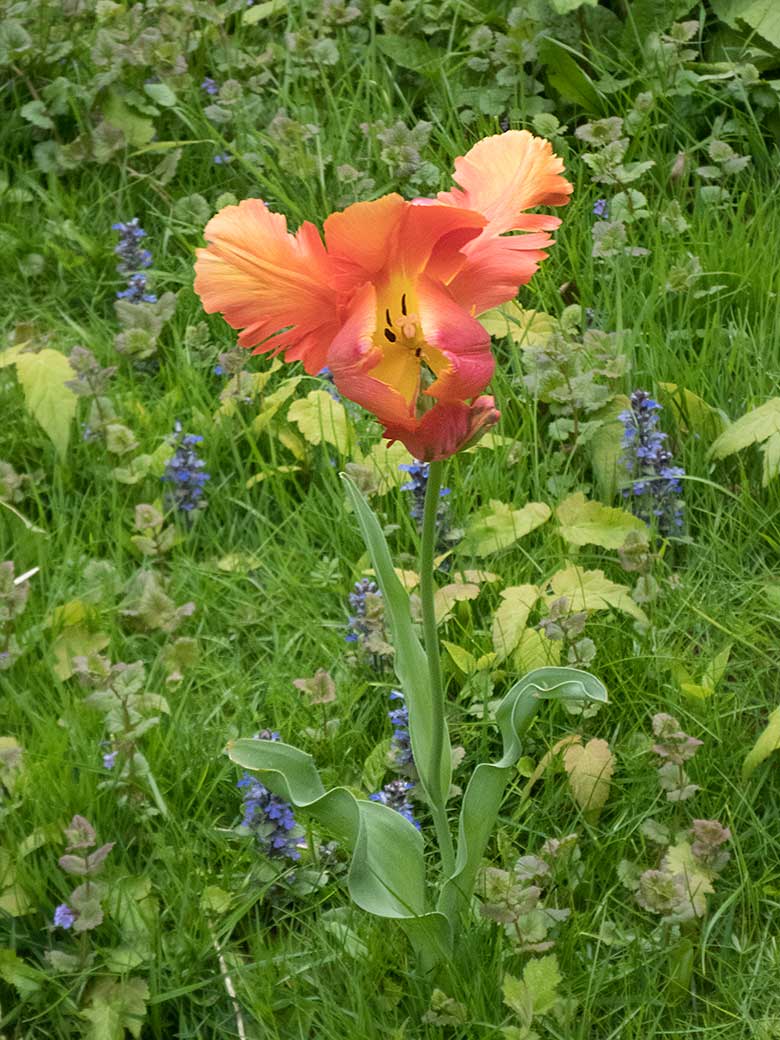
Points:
309	966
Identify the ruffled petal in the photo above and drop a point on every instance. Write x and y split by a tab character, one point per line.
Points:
506	174
460	356
264	280
446	429
494	268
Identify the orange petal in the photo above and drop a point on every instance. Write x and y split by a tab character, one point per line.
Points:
264	280
461	357
494	268
506	174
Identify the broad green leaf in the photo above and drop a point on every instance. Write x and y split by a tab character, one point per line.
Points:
320	418
15	972
568	75
753	428
767	742
375	766
35	112
502	527
529	329
387	871
161	94
383	460
771	452
263	10
463	660
137	130
43	376
679	859
411	53
693	413
482	799
115	1005
536	993
589	767
761	16
535	650
586	522
409	660
510	619
10	354
605	447
567	6
593	590
75	641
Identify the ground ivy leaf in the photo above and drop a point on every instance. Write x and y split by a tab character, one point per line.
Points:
502	527
52	404
590	769
586	522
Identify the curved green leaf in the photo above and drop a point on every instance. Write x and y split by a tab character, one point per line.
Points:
411	664
387	872
485	790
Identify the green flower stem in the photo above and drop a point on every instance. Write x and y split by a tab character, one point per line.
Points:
431	640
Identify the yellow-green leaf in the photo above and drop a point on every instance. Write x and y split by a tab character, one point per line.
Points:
320	418
273	402
753	428
590	769
383	460
52	404
605	447
502	527
586	522
693	413
535	650
447	596
593	590
679	859
462	659
138	130
767	742
511	617
530	329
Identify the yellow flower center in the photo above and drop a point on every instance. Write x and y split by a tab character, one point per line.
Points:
406	356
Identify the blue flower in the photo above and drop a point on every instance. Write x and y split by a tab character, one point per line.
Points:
395	796
401	742
209	86
109	759
222	159
600	207
656	489
417	485
133	261
185	473
269	817
64	916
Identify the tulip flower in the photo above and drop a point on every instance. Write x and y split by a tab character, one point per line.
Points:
389	301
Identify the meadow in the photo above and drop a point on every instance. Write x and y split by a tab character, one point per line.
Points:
182	568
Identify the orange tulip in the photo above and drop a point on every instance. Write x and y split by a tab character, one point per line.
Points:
389	301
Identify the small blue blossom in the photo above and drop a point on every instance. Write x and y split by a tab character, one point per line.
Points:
109	759
269	817
395	796
185	473
363	591
600	208
418	485
222	159
401	742
656	489
64	916
133	261
209	86
219	370
326	375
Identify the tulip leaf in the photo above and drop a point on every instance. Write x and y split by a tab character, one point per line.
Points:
387	872
410	661
482	799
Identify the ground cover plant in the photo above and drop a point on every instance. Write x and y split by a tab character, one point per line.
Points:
183	581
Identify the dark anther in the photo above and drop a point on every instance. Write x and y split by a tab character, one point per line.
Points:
418	352
390	336
403	305
387	315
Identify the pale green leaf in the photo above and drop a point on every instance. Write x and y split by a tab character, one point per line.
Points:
502	527
679	859
15	972
771	452
530	329
382	461
137	130
692	412
320	418
447	596
273	402
567	6
767	742
605	447
511	617
535	650
592	590
161	94
589	767
263	10
463	660
761	16
753	428
53	405
586	522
